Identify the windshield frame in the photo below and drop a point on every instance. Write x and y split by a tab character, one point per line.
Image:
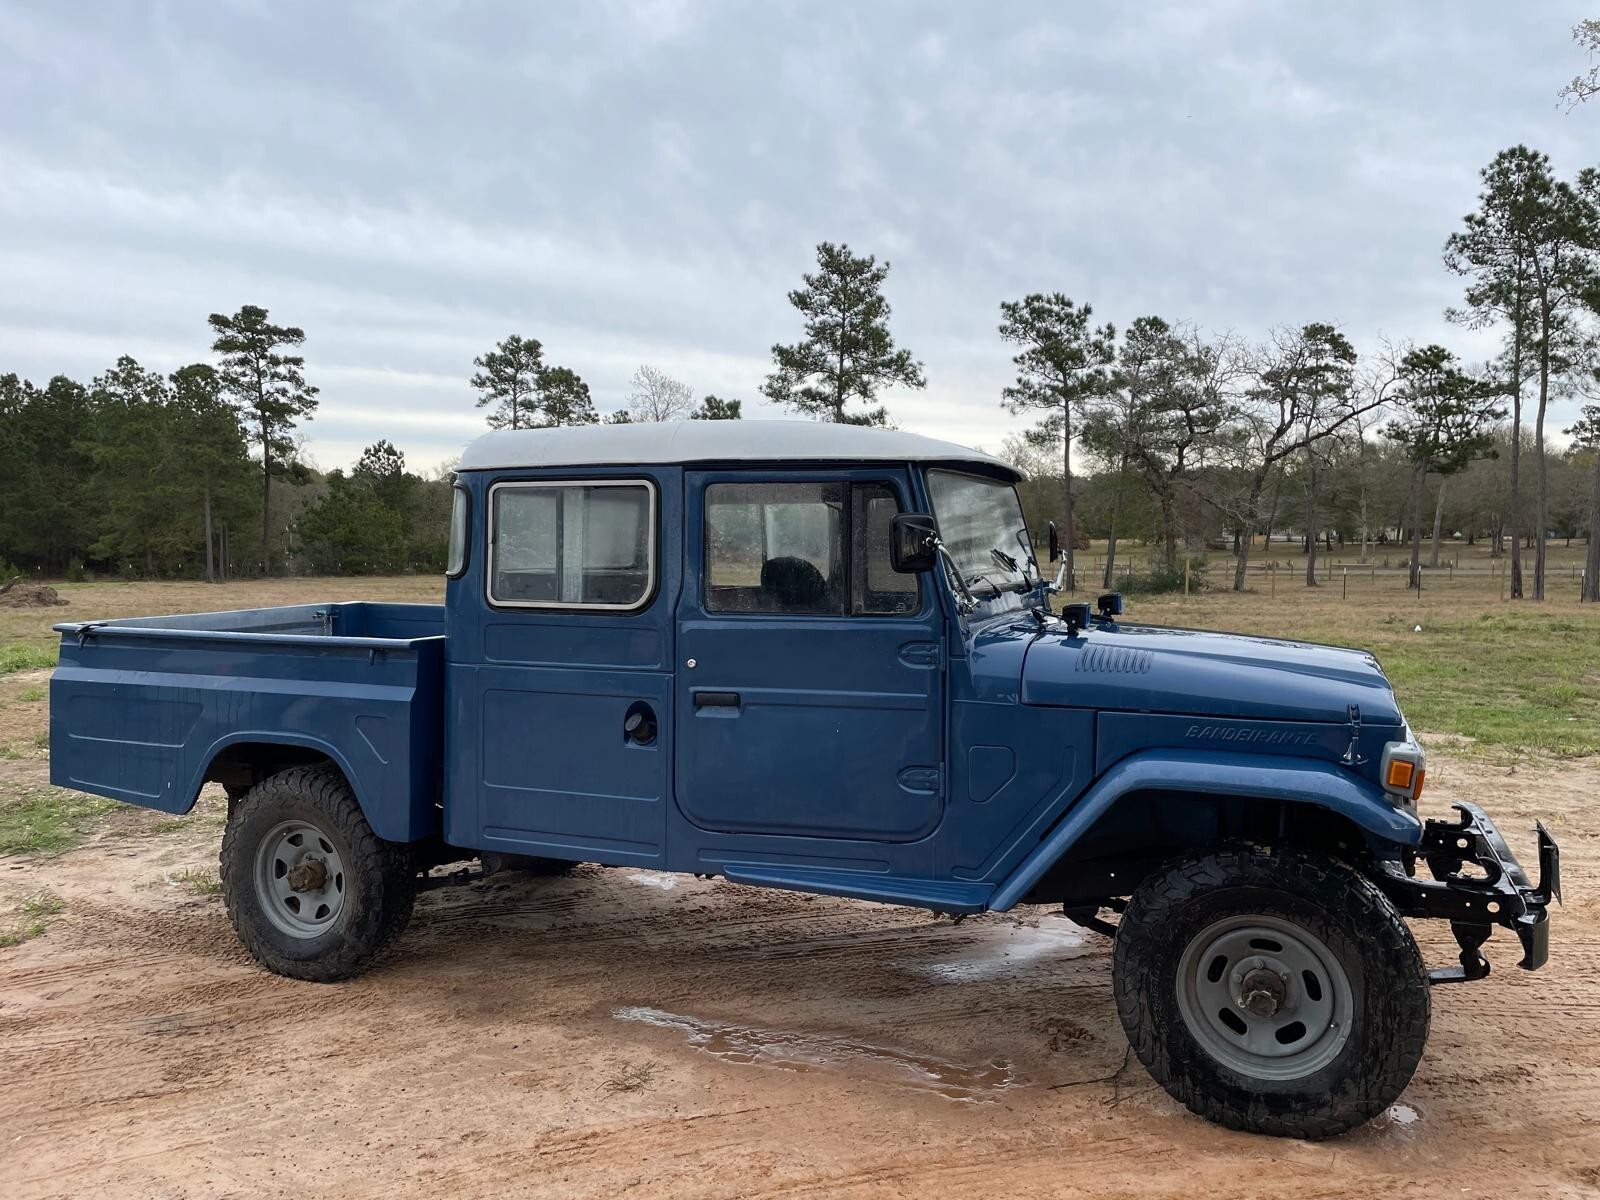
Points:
982	573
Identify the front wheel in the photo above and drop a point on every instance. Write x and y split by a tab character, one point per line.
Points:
312	892
1277	992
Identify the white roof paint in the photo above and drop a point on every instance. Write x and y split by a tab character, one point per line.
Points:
708	442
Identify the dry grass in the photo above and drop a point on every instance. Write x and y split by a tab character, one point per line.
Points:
25	632
194	882
30	919
1507	675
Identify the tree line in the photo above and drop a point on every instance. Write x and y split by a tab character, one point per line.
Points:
1160	431
1231	424
1177	418
198	474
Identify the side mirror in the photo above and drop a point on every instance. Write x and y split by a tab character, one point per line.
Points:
1055	543
911	543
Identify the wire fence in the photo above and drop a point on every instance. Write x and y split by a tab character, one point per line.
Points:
1382	572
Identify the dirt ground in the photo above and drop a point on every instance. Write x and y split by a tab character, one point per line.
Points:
623	1033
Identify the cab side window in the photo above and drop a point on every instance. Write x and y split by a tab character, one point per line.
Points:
877	587
806	549
775	548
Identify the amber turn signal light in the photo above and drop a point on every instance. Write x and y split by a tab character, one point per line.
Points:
1421	775
1400	774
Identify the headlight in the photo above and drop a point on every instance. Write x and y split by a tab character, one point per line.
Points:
1403	769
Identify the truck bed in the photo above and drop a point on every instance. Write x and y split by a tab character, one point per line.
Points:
145	709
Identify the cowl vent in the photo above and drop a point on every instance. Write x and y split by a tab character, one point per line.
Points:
1115	660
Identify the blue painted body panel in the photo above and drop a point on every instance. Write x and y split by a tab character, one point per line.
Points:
926	758
1143	668
139	708
1226	774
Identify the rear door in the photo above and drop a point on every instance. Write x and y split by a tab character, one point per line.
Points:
559	685
810	681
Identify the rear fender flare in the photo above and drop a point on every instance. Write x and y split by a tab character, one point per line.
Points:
374	813
1264	776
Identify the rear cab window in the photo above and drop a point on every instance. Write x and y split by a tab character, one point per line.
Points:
583	544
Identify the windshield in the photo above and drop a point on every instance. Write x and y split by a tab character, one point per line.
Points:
979	522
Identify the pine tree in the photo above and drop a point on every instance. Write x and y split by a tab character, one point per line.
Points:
1062	363
564	399
1446	421
714	408
1586	434
208	460
269	389
847	354
508	378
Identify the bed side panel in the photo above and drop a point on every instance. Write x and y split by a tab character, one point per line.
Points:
139	719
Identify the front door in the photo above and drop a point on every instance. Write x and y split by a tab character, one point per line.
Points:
810	674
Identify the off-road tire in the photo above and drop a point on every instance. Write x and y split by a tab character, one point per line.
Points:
1352	919
380	877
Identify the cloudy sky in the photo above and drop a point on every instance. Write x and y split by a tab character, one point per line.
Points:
642	183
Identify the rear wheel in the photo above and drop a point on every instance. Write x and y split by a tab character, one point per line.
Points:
1276	992
312	892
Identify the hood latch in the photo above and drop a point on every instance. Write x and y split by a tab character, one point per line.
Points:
1352	756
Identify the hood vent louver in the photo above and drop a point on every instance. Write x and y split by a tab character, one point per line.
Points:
1115	660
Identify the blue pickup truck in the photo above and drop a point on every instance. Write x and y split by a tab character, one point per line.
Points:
824	658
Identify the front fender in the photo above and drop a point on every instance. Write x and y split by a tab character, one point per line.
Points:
1267	776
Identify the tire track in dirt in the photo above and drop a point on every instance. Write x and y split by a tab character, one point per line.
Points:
144	1054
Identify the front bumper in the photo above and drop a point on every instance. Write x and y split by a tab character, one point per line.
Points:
1477	884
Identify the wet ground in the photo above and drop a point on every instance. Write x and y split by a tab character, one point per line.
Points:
621	1032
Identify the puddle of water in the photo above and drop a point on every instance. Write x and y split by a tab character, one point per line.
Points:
655	879
1397	1125
1004	950
795	1051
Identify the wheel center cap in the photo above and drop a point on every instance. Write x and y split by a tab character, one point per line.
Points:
1261	992
310	875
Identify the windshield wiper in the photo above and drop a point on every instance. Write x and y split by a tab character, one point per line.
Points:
980	577
1010	564
1027	560
1004	559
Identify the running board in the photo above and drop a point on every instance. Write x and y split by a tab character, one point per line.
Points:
941	895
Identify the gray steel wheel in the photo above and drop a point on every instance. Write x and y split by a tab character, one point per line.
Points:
1264	997
312	891
299	879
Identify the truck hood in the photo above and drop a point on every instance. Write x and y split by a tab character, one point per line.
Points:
1146	668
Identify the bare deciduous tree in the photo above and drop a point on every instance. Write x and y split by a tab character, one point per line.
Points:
656	396
1301	391
1587	35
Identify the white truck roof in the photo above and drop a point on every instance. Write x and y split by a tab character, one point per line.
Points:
712	441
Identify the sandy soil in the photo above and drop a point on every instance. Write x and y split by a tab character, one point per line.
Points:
624	1033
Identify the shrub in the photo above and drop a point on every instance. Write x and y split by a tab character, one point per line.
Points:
1158	580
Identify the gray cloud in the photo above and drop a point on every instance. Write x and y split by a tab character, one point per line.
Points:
643	183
